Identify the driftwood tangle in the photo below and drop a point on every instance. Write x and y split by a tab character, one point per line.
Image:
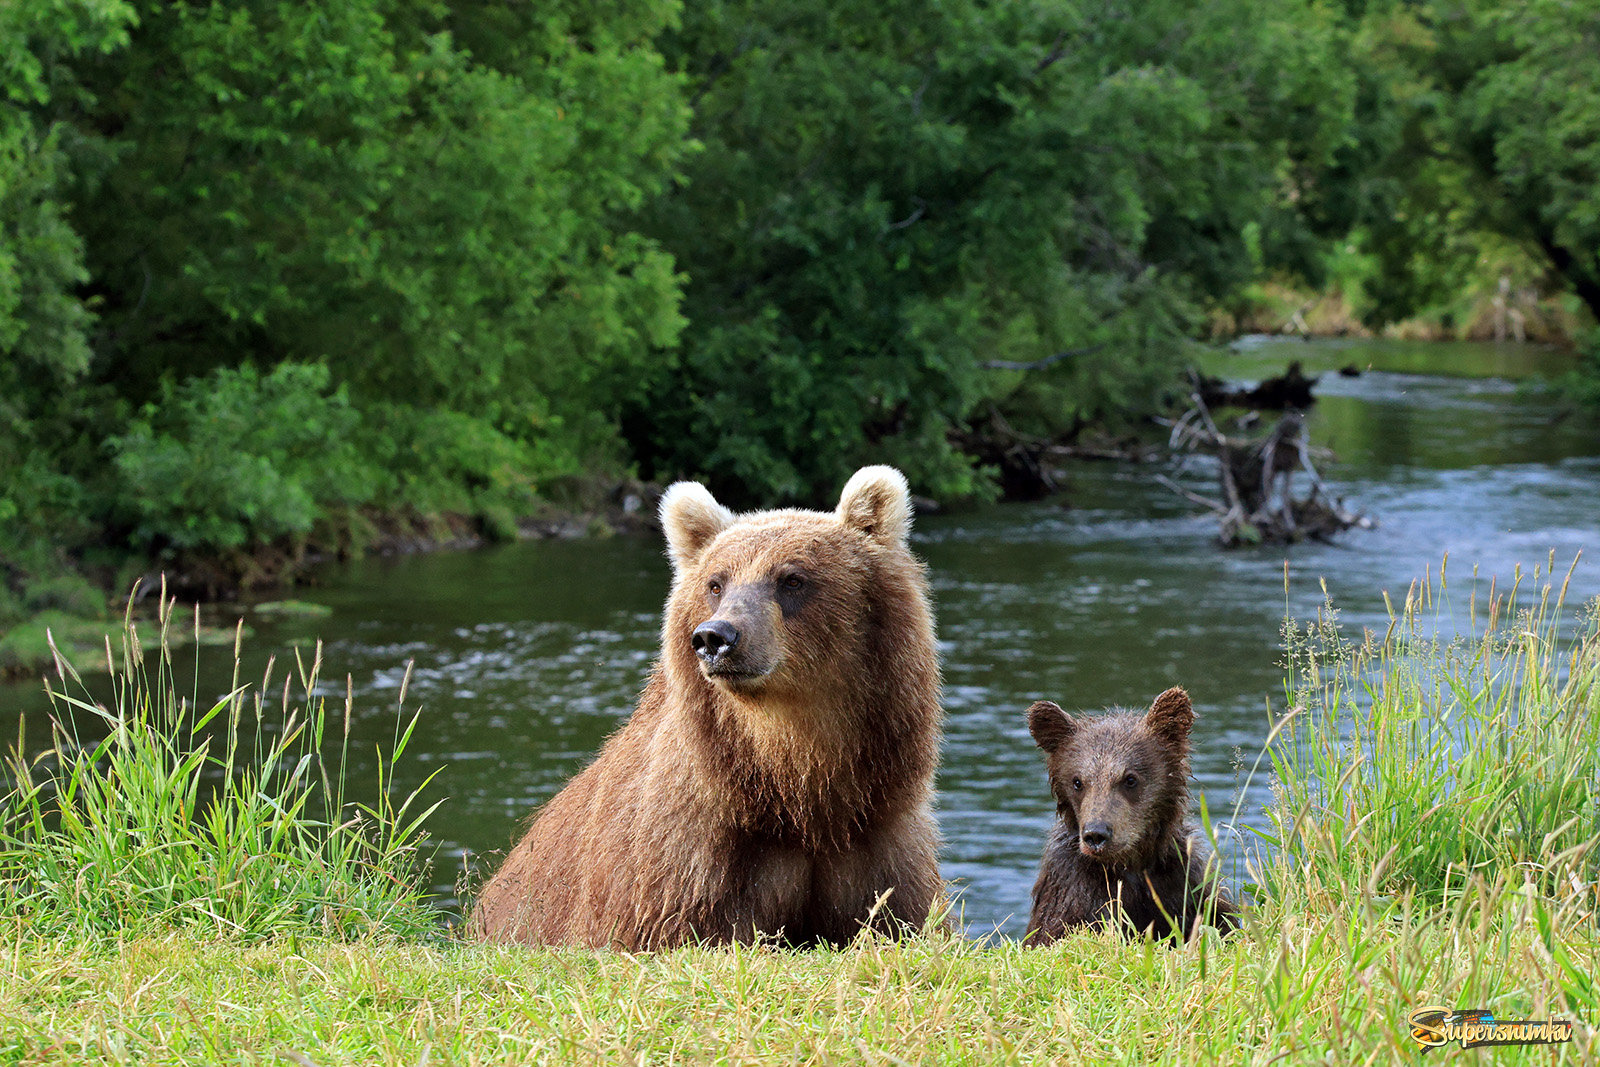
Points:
1256	478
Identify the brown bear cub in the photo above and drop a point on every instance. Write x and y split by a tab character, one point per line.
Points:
1120	842
776	779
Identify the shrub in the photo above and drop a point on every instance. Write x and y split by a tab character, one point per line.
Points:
438	461
237	458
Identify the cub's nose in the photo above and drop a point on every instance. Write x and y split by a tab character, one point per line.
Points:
1096	835
712	640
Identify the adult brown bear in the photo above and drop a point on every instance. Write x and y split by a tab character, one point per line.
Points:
777	776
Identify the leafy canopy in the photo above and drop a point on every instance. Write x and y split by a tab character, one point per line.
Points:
892	198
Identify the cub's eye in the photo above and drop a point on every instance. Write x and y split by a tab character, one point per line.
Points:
793	582
1131	782
1077	785
715	587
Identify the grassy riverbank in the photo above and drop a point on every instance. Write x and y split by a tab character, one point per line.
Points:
1325	979
1434	841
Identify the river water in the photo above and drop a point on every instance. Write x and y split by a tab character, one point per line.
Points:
528	655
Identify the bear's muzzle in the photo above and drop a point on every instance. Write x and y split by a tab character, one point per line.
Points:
713	640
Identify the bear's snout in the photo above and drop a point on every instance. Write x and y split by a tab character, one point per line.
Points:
713	640
1094	838
738	648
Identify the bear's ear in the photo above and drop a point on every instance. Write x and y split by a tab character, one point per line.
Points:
1050	726
877	501
691	517
1171	717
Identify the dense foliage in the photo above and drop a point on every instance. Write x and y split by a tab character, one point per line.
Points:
345	184
268	264
280	274
893	200
1476	150
44	316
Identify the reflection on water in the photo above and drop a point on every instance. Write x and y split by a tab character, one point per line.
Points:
527	656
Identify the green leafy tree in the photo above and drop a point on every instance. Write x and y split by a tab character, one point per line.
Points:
892	200
235	458
347	184
413	218
1533	119
44	323
1477	148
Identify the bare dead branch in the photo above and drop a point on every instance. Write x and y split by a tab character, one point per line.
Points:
1193	498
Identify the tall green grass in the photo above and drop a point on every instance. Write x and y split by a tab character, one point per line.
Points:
1434	754
152	812
1434	834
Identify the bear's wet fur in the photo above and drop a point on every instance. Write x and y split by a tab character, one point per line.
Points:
776	778
1121	849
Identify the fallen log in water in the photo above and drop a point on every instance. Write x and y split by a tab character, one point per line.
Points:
1291	389
1256	477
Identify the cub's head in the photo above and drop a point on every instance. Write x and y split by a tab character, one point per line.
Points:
1121	781
787	603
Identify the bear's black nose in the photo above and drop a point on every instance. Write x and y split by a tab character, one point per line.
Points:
1096	835
712	639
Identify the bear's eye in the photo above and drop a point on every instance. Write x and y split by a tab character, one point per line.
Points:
1077	785
1131	781
715	587
793	582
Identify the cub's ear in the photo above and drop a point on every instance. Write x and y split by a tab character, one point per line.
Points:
877	501
1171	717
1050	726
691	517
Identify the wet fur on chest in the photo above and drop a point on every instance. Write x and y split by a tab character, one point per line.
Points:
1162	898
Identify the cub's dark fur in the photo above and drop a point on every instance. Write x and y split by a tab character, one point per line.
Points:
1121	784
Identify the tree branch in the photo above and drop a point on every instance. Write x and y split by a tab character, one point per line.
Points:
1053	56
1039	364
1203	501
